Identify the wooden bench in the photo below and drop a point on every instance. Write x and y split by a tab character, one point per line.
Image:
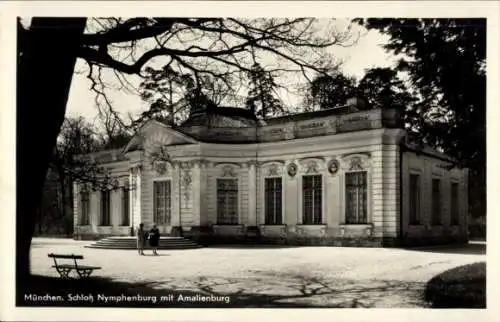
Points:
65	269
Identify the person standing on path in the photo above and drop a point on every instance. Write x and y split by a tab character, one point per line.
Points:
154	239
141	238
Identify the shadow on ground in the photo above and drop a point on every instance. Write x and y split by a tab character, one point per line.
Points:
473	248
256	292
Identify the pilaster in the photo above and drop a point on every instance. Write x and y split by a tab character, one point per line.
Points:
252	194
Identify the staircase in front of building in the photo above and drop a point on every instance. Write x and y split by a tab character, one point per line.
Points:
126	242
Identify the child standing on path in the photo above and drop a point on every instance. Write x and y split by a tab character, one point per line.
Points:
141	238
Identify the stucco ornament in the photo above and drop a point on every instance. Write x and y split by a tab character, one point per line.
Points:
311	167
113	184
160	167
186	182
292	169
273	170
333	166
187	178
228	171
356	164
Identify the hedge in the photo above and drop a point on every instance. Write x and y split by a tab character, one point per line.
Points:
459	287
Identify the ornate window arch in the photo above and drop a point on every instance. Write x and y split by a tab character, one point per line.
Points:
272	192
312	165
355	162
312	185
356	176
228	196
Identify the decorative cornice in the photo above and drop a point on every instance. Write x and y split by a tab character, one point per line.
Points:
363	153
261	163
355	161
239	165
301	160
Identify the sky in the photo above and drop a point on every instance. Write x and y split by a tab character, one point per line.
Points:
366	53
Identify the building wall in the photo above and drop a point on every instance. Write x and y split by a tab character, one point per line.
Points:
119	171
194	169
425	232
379	156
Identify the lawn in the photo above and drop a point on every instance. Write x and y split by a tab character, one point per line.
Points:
254	277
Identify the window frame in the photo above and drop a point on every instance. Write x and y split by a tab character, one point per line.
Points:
125	213
168	196
366	199
412	221
85	210
105	211
279	215
439	200
321	203
237	189
455	203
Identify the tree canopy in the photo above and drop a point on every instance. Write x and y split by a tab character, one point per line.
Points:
445	60
223	49
328	91
262	94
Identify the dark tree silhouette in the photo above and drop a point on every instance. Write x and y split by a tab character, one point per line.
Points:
383	88
328	91
46	61
262	93
76	137
217	47
446	59
173	95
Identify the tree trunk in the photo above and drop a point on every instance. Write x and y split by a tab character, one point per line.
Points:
71	204
46	59
62	186
40	218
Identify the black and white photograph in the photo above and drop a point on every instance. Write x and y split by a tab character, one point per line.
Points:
249	158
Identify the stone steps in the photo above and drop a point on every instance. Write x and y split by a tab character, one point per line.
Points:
131	243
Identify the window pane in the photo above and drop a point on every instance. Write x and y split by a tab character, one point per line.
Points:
162	202
125	207
414	199
351	200
356	197
105	208
312	199
308	206
455	213
227	201
168	203
273	201
317	205
84	220
436	201
278	210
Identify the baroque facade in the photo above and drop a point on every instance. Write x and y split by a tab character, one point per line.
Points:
340	177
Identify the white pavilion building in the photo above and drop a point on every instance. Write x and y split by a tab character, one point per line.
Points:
343	176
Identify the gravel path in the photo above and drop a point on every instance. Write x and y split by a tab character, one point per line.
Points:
309	276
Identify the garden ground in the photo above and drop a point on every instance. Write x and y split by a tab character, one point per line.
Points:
271	276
